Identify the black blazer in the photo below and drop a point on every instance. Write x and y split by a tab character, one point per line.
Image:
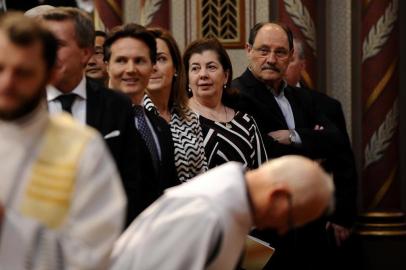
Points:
151	183
167	174
341	164
298	247
255	99
111	112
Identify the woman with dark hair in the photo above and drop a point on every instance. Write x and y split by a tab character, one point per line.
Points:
228	135
166	96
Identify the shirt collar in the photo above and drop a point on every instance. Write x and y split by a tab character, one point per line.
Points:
80	90
282	88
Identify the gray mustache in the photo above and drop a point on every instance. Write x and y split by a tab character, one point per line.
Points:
270	67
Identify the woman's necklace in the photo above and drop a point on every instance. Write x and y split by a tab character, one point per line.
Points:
212	114
227	123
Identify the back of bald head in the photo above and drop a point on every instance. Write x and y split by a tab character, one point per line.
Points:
38	11
308	186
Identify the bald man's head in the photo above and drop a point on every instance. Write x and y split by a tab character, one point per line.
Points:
289	191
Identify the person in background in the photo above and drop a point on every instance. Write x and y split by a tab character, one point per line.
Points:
89	102
203	224
59	187
96	68
290	123
341	164
167	97
130	53
229	135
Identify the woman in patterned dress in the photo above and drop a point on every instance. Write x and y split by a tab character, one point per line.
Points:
166	96
228	135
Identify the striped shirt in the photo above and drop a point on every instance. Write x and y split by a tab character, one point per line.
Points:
237	140
187	139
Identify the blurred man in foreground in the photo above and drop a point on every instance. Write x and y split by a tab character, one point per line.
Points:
61	199
203	224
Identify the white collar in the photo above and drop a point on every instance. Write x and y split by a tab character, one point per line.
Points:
80	90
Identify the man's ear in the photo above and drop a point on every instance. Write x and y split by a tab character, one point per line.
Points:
248	47
278	200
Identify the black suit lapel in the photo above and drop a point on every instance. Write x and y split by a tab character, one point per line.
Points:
158	129
259	91
94	105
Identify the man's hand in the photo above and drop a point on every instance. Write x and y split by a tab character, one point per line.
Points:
340	233
281	136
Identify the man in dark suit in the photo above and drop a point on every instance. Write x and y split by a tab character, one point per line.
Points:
290	124
287	119
89	101
130	53
341	165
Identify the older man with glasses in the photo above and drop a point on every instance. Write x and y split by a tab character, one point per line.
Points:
289	123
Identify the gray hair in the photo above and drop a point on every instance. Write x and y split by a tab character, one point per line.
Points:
84	30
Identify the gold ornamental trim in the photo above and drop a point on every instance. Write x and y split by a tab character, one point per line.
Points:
381	85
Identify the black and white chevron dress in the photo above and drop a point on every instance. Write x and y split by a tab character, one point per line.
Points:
238	140
187	138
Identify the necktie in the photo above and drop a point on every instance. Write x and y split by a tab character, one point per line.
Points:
66	101
146	134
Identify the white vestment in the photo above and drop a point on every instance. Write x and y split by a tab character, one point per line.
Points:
199	225
95	211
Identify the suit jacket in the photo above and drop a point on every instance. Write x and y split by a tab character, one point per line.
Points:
167	174
111	113
151	183
341	164
255	99
303	247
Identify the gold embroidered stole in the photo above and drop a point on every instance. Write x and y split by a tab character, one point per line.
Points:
52	181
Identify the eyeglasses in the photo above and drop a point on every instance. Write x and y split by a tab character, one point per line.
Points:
279	53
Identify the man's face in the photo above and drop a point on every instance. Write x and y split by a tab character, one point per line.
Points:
294	70
269	56
71	58
129	67
96	68
23	77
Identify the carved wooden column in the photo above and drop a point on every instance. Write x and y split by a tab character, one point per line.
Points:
382	226
380	92
108	13
300	16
